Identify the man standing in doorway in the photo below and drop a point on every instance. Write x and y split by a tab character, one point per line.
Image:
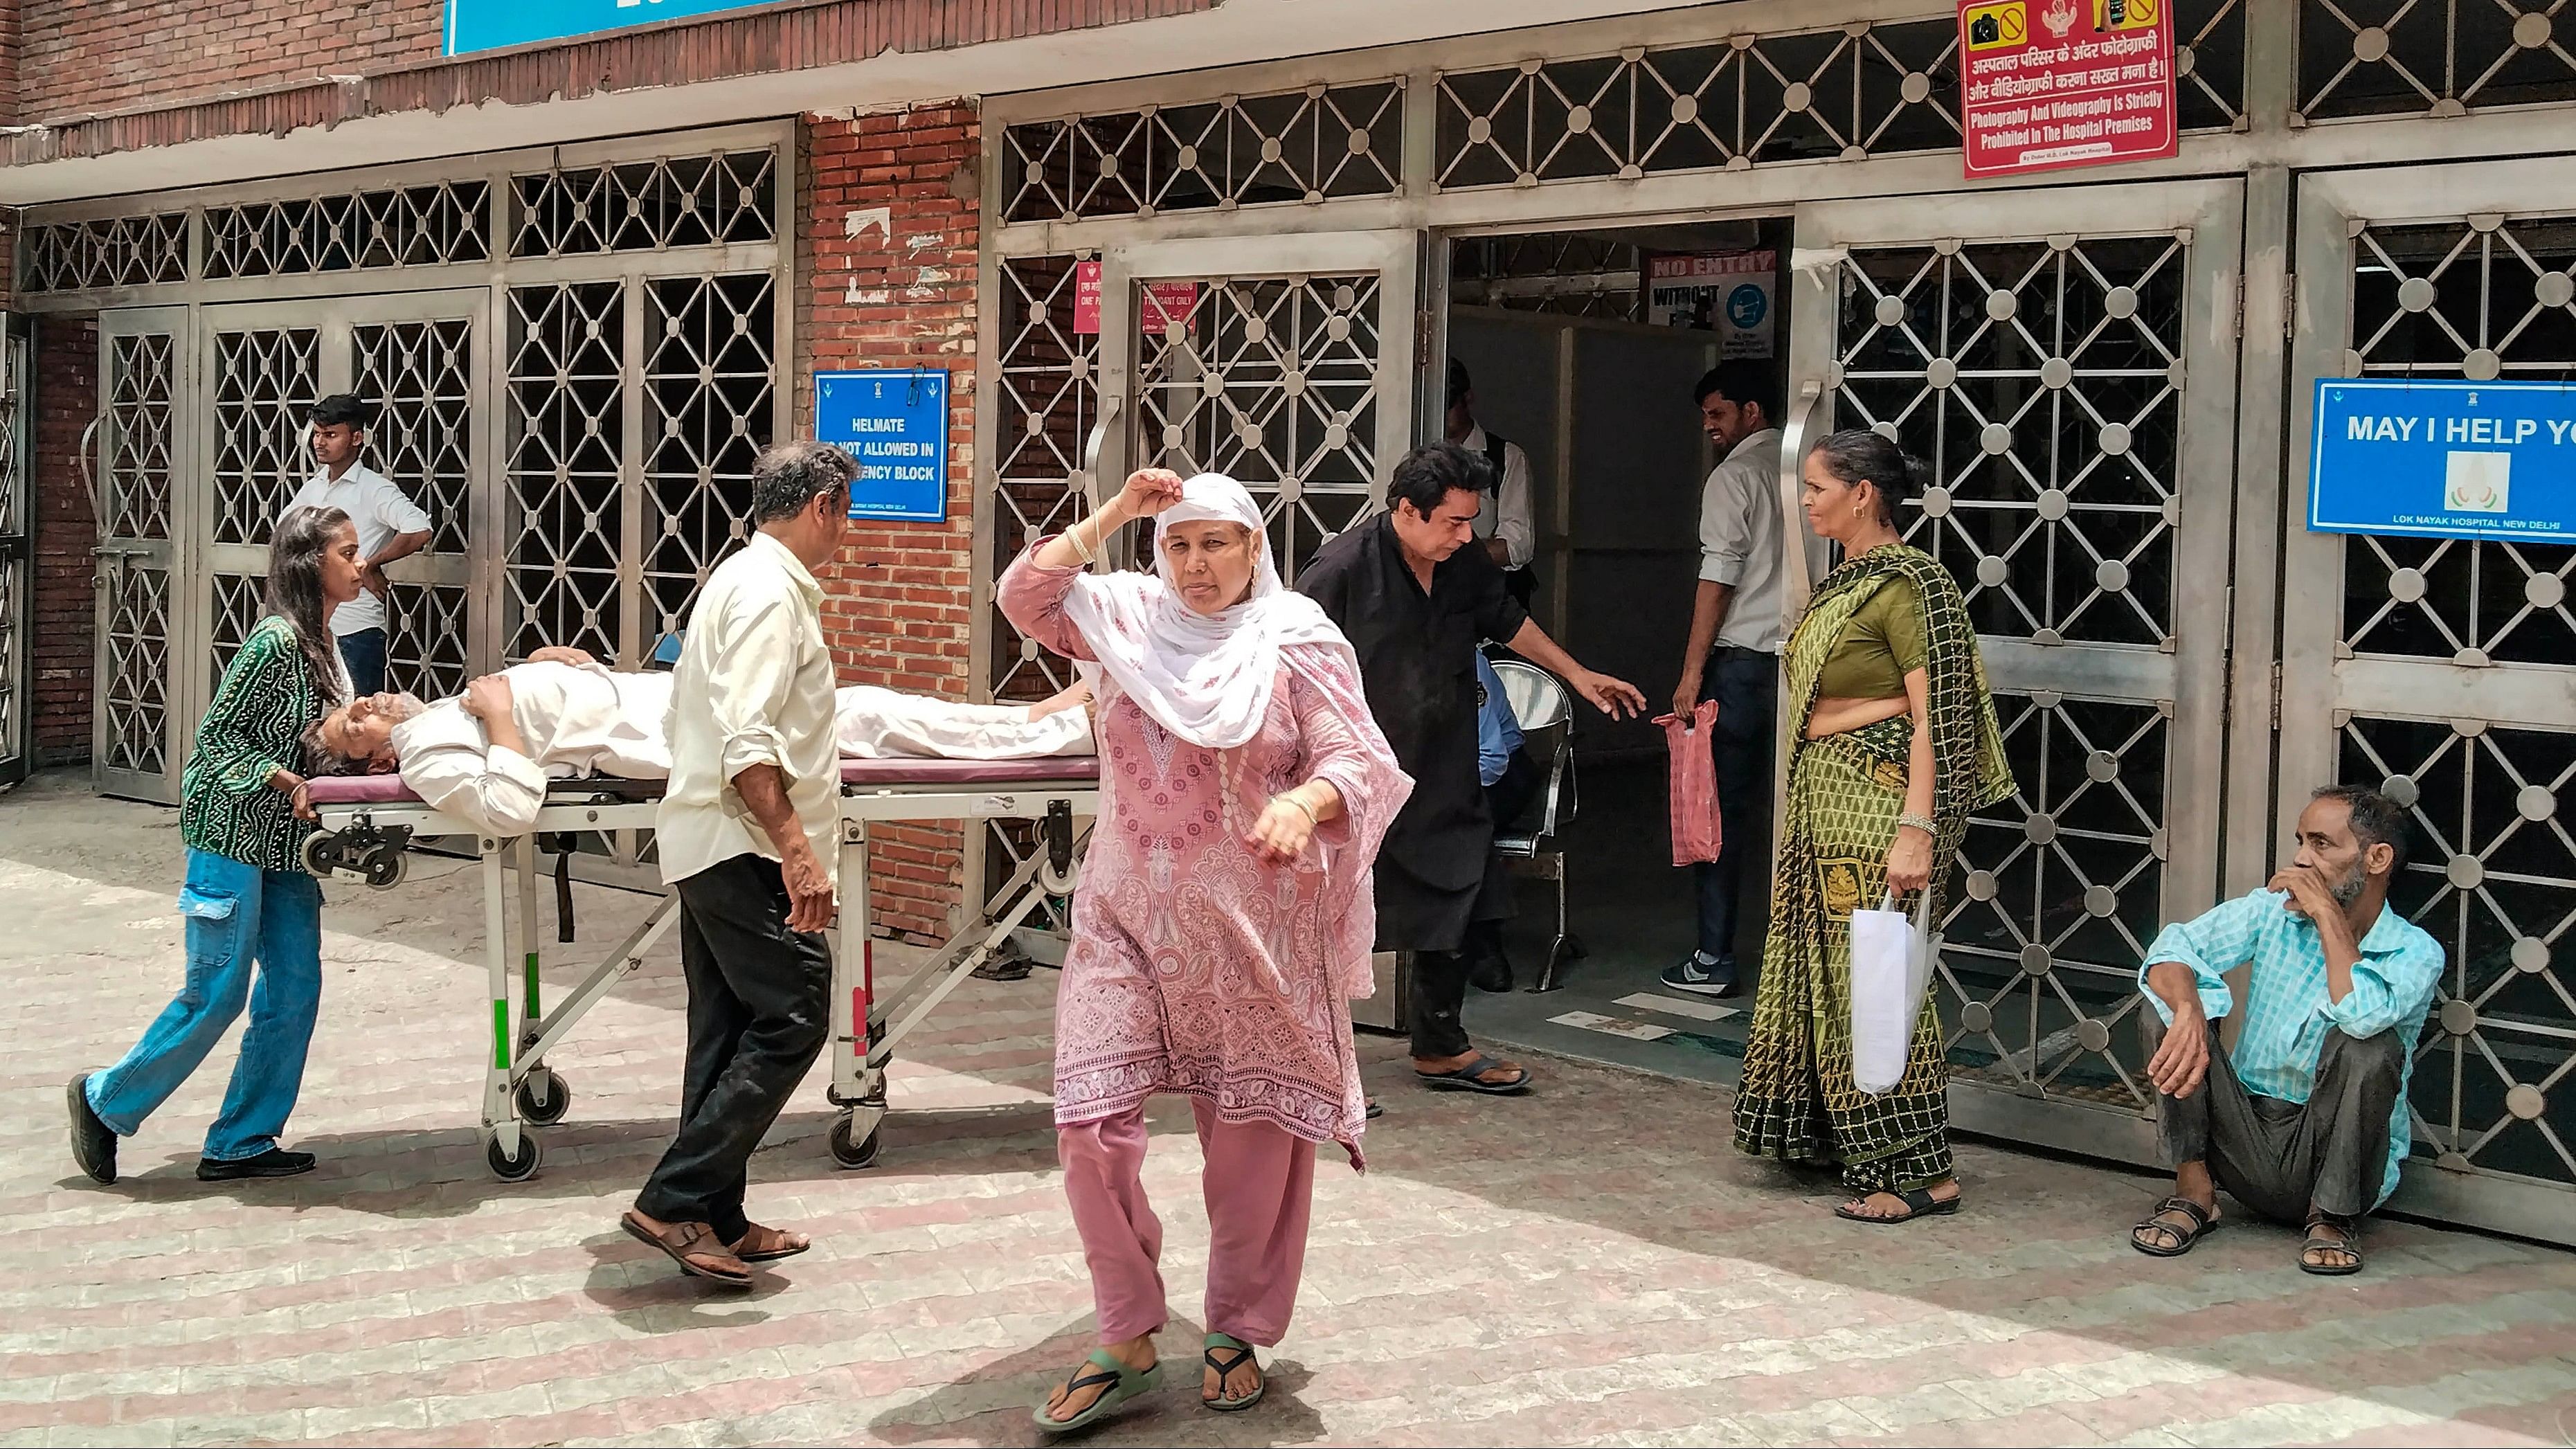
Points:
1734	652
748	833
1507	526
390	526
1415	601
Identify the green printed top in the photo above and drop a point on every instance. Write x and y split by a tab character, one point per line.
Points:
226	805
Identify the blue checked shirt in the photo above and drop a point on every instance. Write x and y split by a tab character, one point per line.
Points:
2287	1013
1498	732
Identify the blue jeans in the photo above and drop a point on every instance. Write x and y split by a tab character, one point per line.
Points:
1746	685
237	914
364	653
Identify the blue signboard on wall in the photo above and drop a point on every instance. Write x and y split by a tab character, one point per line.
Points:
2444	459
474	25
895	422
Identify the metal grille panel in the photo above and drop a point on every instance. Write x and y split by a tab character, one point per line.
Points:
2364	58
1047	404
2474	298
238	601
688	201
425	640
410	227
1309	145
2058	891
708	403
2043	382
142	375
123	251
135	694
2493	877
265	382
1273	382
564	468
420	377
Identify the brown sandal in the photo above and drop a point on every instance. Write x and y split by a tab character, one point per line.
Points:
693	1246
768	1245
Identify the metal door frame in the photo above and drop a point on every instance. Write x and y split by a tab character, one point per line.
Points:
2322	681
2189	683
116	555
337	319
17	550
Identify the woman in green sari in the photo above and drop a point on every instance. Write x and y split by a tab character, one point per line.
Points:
1892	742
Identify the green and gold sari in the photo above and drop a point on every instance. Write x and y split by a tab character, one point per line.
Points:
1797	1101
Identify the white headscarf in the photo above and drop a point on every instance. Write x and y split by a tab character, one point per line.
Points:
1205	677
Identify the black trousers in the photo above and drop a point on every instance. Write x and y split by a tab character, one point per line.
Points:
2280	1157
759	1012
1746	685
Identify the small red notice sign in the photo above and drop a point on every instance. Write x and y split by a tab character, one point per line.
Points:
2052	83
1158	304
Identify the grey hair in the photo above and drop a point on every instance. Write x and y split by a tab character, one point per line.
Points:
321	759
788	476
2376	819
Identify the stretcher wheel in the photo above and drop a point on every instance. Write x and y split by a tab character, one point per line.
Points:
385	867
542	1096
848	1153
317	852
512	1169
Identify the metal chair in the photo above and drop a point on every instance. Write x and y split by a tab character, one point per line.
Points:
1545	709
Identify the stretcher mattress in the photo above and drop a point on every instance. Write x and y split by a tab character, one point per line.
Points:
1060	769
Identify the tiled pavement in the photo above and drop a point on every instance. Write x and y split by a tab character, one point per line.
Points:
1587	1265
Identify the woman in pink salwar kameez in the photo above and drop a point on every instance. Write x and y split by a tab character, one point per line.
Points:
1224	918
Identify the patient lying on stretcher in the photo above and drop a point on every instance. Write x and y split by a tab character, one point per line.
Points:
485	755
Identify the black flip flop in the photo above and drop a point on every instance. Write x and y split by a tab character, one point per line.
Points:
1469	1079
2349	1245
1919	1203
2203	1222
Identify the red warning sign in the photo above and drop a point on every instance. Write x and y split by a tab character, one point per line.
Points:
2054	83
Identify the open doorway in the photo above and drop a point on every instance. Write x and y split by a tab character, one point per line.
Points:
1583	349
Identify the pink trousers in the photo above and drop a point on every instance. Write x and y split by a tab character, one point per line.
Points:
1260	1187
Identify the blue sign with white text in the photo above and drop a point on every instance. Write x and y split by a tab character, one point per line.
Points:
2444	459
895	422
474	25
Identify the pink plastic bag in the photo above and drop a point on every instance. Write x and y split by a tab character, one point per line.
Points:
1696	831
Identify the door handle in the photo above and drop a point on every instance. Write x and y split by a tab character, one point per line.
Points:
1110	405
1796	584
89	475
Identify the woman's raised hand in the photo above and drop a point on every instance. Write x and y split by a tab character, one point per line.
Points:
1149	491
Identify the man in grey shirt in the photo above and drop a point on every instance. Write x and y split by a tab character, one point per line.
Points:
1734	652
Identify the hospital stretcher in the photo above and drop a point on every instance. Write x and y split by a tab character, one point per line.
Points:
368	823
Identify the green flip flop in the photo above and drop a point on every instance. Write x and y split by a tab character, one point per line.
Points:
1129	1383
1227	1343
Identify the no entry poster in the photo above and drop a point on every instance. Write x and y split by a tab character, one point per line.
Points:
2055	83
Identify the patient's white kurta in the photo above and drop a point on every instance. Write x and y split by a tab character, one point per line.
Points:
875	724
576	719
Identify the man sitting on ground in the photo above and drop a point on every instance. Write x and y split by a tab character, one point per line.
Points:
2307	1120
485	755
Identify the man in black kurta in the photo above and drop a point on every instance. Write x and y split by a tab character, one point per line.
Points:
1415	603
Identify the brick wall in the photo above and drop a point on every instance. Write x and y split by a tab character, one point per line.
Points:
80	56
888	271
66	384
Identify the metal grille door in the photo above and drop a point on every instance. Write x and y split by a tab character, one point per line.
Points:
2440	670
16	554
2072	393
143	366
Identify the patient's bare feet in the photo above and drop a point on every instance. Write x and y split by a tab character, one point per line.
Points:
1074	697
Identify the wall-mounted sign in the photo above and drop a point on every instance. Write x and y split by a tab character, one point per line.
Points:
1158	304
493	24
2052	83
895	422
1728	293
2444	459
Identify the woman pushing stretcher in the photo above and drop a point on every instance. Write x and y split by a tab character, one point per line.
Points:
484	756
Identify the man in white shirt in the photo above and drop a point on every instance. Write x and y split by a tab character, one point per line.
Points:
748	836
390	526
485	756
1507	527
1733	656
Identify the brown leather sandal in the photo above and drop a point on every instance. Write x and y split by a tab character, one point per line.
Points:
693	1246
768	1245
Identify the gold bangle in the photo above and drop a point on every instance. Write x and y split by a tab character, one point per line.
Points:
1312	822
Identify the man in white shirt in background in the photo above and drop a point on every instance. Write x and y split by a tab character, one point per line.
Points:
748	837
1507	526
1733	655
390	526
